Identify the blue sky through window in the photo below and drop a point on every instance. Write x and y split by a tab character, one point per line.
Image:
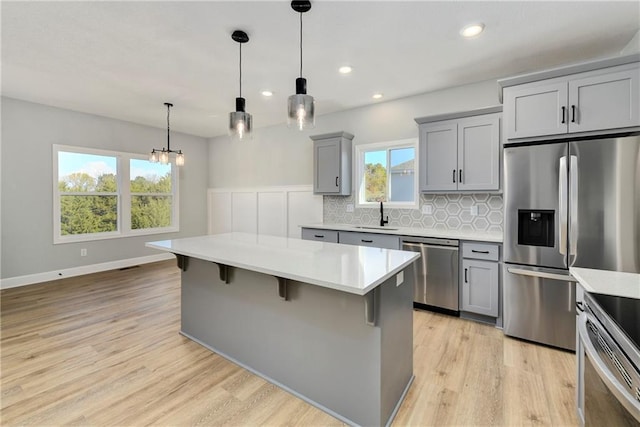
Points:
400	155
91	164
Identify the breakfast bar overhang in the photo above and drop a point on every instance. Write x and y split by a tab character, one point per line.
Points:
330	323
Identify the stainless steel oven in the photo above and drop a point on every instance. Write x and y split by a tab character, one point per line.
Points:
609	361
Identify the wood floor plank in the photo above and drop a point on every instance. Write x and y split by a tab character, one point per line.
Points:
105	349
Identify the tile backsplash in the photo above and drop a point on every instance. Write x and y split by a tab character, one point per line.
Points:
448	212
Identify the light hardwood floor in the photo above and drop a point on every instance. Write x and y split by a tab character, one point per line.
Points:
104	349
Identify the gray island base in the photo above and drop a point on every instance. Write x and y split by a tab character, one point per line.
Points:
347	354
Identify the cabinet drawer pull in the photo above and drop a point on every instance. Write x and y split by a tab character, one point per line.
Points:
465	276
319	236
454	175
479	252
366	241
573	114
563	114
460	176
337	177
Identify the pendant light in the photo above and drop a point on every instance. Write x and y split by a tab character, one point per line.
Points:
301	107
240	121
162	155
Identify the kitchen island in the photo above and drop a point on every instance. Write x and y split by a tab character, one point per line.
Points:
330	323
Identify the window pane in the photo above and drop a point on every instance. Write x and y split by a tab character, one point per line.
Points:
375	176
402	174
147	177
78	172
150	212
88	214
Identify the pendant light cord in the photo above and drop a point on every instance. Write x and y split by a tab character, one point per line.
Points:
240	69
300	44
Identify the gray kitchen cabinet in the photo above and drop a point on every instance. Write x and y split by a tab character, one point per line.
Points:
590	101
480	279
385	241
462	154
332	163
320	235
438	156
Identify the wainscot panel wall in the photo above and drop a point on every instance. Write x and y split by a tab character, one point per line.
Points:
28	132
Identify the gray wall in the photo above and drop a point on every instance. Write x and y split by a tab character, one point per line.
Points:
28	132
280	156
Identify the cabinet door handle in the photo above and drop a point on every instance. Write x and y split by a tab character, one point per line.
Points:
573	114
465	276
366	241
479	252
454	175
319	236
460	176
337	177
563	114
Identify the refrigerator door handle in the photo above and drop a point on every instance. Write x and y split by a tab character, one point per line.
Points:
562	206
541	274
573	203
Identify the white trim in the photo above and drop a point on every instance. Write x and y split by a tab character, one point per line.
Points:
13	282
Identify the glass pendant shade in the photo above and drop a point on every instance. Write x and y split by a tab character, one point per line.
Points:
179	159
301	111
301	107
240	122
164	157
153	158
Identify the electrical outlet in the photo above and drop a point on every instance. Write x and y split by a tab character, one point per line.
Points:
83	252
349	207
427	209
474	210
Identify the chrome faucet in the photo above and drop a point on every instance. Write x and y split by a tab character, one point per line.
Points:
382	220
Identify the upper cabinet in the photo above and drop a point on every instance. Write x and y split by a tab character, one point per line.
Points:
460	152
598	100
332	163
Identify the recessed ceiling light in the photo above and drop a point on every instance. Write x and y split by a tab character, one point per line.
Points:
472	30
267	93
377	96
345	69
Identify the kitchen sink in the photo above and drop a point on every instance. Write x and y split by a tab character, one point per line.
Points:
375	227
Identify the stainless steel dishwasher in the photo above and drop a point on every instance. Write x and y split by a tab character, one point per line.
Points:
436	272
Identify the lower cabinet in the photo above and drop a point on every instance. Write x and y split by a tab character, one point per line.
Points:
374	240
480	279
369	239
320	235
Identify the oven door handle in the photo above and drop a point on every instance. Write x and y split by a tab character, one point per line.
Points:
612	383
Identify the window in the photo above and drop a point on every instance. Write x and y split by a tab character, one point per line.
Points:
93	200
386	173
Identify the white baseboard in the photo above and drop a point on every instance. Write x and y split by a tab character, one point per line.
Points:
29	279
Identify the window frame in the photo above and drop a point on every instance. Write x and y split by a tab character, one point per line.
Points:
359	170
123	195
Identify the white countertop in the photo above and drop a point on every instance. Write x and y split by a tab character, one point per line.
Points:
480	236
352	269
605	282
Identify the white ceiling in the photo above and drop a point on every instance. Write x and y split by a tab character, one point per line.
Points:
125	59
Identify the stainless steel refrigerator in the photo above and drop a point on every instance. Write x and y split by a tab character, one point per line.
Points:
567	204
